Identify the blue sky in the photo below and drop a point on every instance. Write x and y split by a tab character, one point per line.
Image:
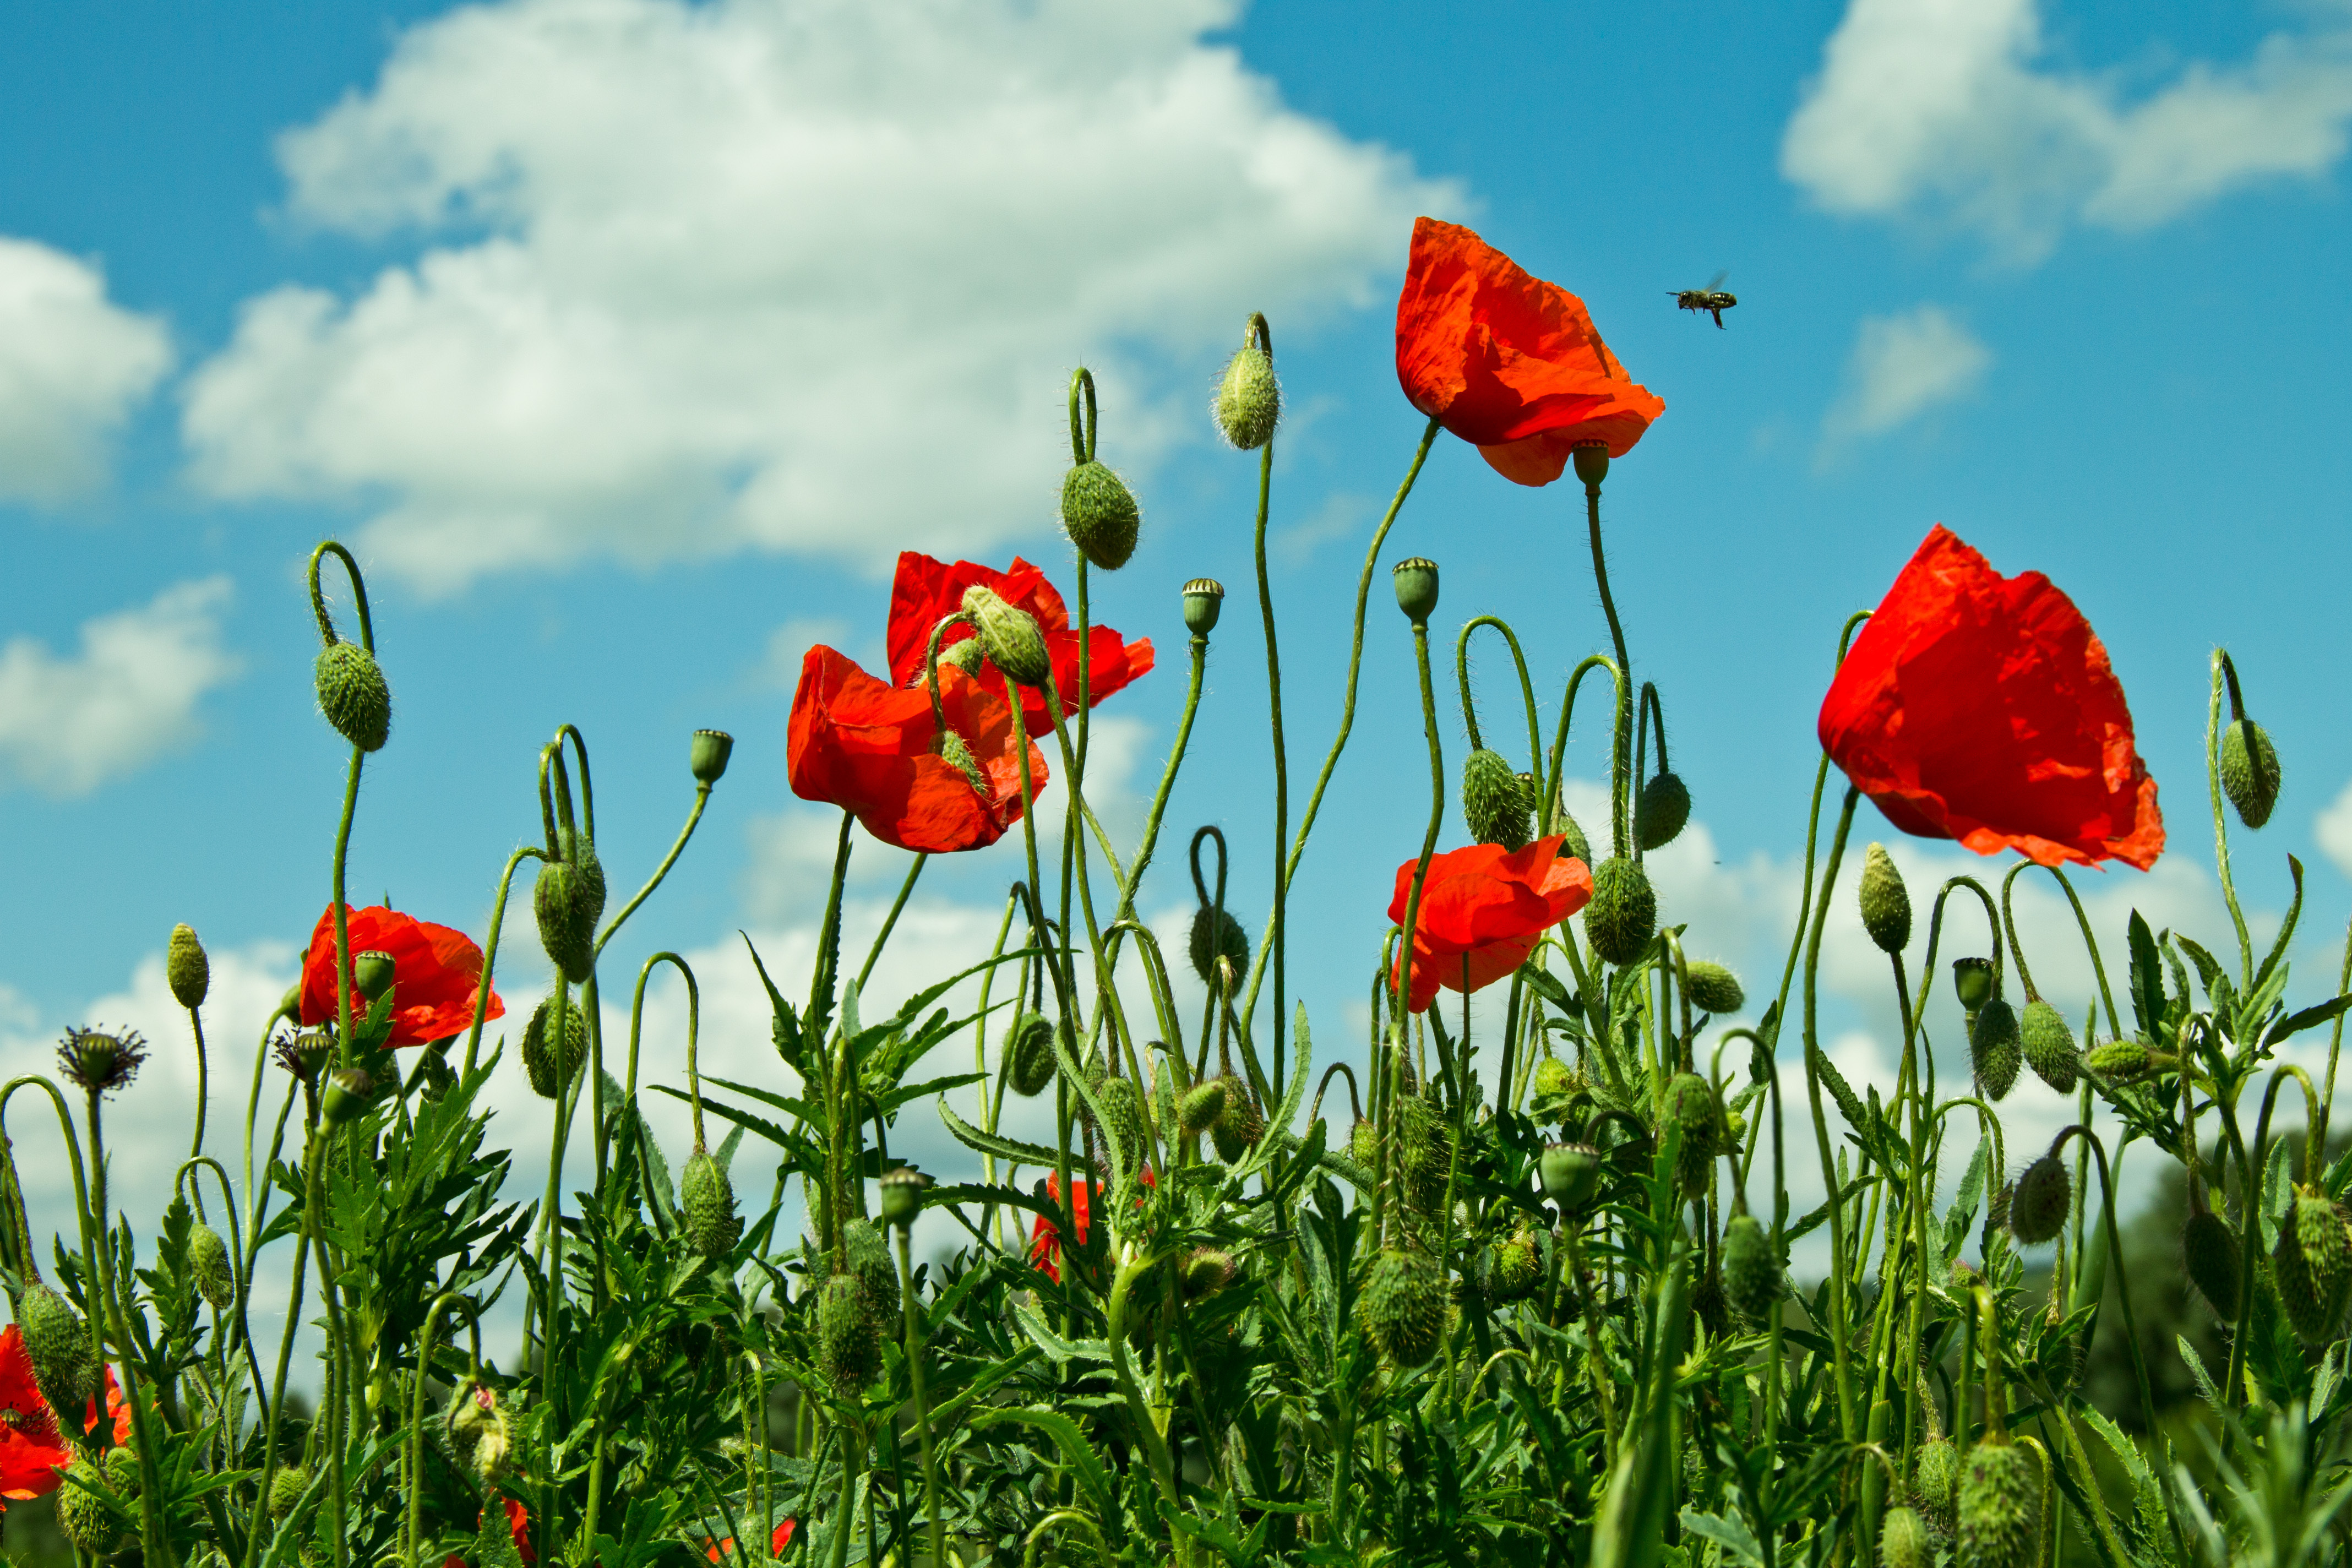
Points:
626	341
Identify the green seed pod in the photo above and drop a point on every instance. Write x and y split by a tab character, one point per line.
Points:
57	1341
1208	1270
1516	1267
286	1489
1415	580
1201	1106
1592	460
1903	1540
2049	1045
1999	1516
1011	637
551	1069
1550	1091
705	1202
1402	1307
1885	901
1099	514
2312	1266
1752	1278
956	751
186	969
2210	1256
1217	934
83	1517
1713	988
2249	771
849	1347
1661	810
1204	600
2119	1061
1570	1174
208	1262
1249	400
1494	806
373	973
1995	1047
2044	1196
1029	1048
706	754
1623	915
559	900
1239	1125
354	695
902	1196
1972	981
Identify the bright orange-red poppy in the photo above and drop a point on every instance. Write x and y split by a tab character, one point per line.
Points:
1982	708
1045	1236
31	1451
1483	909
1507	362
859	745
781	1538
926	591
437	972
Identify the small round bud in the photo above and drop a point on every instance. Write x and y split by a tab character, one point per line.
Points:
1123	1126
556	902
2249	771
2044	1196
2119	1061
354	695
1713	988
1999	1514
1217	934
1623	915
1494	805
1364	1143
1515	1266
902	1196
1207	1271
286	1489
1661	810
1416	588
1550	1091
83	1517
373	973
849	1343
1936	1481
1239	1125
1249	400
1591	458
706	754
2312	1266
1903	1540
1570	1174
1009	637
349	1090
1029	1049
186	969
1201	1106
1099	514
1752	1277
208	1262
549	1061
1972	981
2049	1045
705	1202
1885	901
1996	1048
1204	599
1404	1306
966	655
57	1341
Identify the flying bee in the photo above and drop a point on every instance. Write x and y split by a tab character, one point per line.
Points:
1711	300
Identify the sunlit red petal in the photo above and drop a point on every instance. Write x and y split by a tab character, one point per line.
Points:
926	591
438	973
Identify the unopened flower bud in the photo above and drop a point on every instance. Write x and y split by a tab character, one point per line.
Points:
706	754
286	1489
965	654
1903	1540
373	973
957	753
1999	1511
568	898
1099	514
1494	805
57	1341
549	1061
705	1202
1623	913
208	1262
2119	1061
2049	1045
186	969
2249	771
1029	1052
1208	1270
1972	981
1204	598
1217	934
1199	1106
354	695
1752	1278
1249	400
1416	588
1010	637
1885	901
1402	1307
1714	988
902	1196
1661	810
2045	1195
1996	1047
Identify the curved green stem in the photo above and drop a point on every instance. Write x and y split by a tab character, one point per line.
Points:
2222	672
1839	1265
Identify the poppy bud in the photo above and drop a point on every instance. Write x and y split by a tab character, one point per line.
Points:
1425	1152
57	1341
1029	1048
2249	771
1249	400
2045	1195
1903	1540
2312	1266
1661	810
1494	803
548	1061
1201	1106
1885	901
1574	844
1623	913
1752	1277
1972	981
354	695
902	1196
1364	1143
1691	1106
706	754
348	1093
2120	1061
1713	988
1936	1481
1217	934
705	1202
1204	597
849	1347
1591	459
186	969
965	656
1122	1119
1099	514
957	753
286	1489
1516	1267
84	1518
1549	1090
2049	1045
1998	1517
1009	637
878	1279
1416	588
1239	1125
208	1262
2210	1256
1710	1306
1404	1306
1570	1174
1207	1271
373	973
1995	1047
557	900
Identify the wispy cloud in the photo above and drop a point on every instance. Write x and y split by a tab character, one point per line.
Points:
1901	366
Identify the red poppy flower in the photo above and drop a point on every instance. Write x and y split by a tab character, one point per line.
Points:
1485	907
1510	362
436	972
517	1526
925	592
867	748
116	1406
31	1451
1045	1236
1982	708
782	1538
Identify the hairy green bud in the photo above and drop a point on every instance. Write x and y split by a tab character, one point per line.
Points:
1885	901
1752	1278
1201	1106
1010	637
2312	1266
1714	988
1402	1307
1995	1047
1494	805
1029	1048
705	1202
1935	1482
208	1263
551	1055
2044	1196
354	695
2249	771
2049	1045
1249	399
849	1348
186	969
2210	1257
1623	915
1999	1516
1661	810
1903	1540
2120	1061
1516	1267
1217	934
1099	514
57	1341
1239	1125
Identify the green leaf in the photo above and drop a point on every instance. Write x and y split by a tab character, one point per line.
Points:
995	1144
785	1030
2147	978
2286	927
1730	1533
2309	1018
1084	1468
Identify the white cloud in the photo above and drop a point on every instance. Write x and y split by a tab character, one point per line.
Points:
2334	830
1945	108
73	365
1903	367
69	723
751	276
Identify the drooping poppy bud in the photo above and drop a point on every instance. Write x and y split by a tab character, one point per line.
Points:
2049	1045
2120	1061
1011	637
1494	806
1752	1278
1710	1306
1201	1106
1995	1047
2249	771
354	695
1516	1267
2312	1266
848	1348
2044	1196
1714	988
373	973
1416	578
208	1263
705	1202
1404	1306
1691	1107
1217	934
1972	981
1570	1174
2210	1256
1661	810
186	969
1885	901
1239	1124
706	754
1903	1540
1574	844
868	1257
57	1341
559	900
1204	597
1122	1120
1935	1482
1249	399
1999	1516
350	1091
1208	1270
286	1489
967	655
1424	1151
1099	514
83	1517
1029	1048
1624	912
549	1061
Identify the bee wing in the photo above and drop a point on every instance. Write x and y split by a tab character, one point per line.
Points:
1720	279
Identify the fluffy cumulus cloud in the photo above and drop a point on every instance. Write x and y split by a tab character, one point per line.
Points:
750	275
73	365
68	722
1946	109
2334	830
1903	367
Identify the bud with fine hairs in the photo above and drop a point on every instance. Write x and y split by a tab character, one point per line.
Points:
186	969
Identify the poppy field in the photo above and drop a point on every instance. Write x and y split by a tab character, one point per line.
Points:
1535	1292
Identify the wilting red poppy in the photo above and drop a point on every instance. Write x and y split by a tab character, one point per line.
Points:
925	592
1045	1236
867	748
30	1448
436	972
517	1526
1982	708
1510	362
777	1541
1483	909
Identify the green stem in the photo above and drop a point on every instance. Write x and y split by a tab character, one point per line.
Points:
1276	937
2220	830
922	1406
889	924
1621	747
1839	1338
490	954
